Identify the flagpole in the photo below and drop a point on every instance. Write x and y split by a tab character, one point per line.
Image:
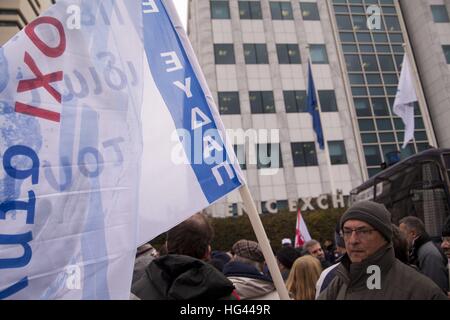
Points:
325	141
263	241
417	84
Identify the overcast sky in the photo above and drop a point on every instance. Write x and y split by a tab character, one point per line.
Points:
181	6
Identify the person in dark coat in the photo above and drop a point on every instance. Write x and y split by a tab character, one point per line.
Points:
423	253
184	274
369	269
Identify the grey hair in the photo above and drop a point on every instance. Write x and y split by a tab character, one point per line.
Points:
414	223
310	244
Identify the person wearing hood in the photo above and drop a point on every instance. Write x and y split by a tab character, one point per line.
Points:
184	274
369	269
245	271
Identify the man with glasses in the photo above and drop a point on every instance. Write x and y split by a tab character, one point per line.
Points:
369	269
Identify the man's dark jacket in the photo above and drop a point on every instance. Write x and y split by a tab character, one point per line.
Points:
178	277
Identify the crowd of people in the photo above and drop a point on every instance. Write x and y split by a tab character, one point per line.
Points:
370	258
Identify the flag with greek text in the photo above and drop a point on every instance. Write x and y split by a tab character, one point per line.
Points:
108	137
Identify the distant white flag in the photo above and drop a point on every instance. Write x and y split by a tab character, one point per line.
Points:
404	100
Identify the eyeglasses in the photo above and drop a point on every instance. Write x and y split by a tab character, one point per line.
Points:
360	233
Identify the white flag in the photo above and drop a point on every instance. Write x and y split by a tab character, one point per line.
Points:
404	100
108	137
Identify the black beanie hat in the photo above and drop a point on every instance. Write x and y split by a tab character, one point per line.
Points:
372	213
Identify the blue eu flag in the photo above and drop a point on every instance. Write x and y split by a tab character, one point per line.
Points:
312	108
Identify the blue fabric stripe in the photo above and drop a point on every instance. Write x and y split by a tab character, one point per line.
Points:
160	36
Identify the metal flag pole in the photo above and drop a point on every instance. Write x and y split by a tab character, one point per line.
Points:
263	241
325	141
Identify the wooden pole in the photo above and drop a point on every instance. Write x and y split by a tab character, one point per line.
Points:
263	241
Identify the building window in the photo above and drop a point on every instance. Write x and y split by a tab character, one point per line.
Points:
337	152
269	156
304	154
220	10
229	103
446	49
295	101
288	54
318	54
440	14
369	62
281	10
262	102
239	150
250	10
327	100
372	154
362	107
309	11
344	22
224	53
256	53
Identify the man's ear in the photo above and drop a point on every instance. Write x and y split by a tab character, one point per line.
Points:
207	254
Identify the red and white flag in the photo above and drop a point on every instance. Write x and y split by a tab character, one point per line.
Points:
301	230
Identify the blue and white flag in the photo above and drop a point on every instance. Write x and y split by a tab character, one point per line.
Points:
108	137
404	100
312	108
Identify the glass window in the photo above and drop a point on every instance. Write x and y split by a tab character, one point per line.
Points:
380	37
446	49
391	91
388	148
392	23
419	123
369	138
356	79
373	171
349	48
295	101
340	9
372	154
288	54
362	107
387	137
256	53
262	102
250	10
359	91
420	136
239	150
318	54
229	103
327	100
352	62
422	147
366	125
347	37
363	37
398	123
398	49
359	22
304	154
384	124
269	156
309	11
357	9
366	48
281	10
344	22
224	53
337	152
380	107
369	62
383	48
396	37
390	78
373	78
376	91
440	14
220	10
386	63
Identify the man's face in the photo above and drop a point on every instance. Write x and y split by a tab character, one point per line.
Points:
361	240
409	234
445	245
316	251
